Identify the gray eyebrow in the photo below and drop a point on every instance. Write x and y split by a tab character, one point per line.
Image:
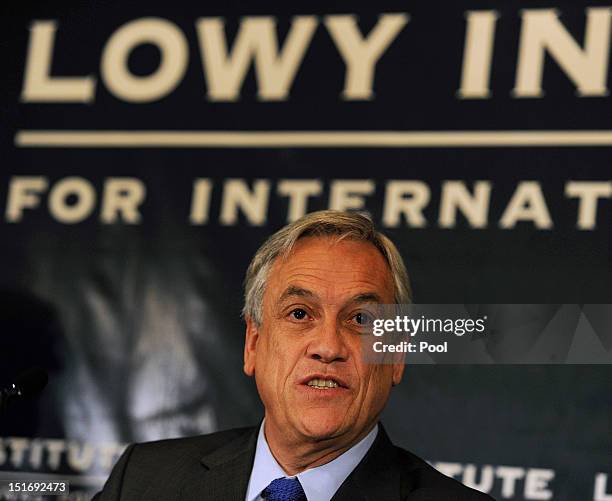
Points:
366	297
292	290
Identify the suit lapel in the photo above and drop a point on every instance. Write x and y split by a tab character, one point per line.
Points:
225	472
376	477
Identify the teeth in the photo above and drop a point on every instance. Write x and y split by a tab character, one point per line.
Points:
323	384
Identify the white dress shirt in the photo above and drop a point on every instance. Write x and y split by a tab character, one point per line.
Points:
319	483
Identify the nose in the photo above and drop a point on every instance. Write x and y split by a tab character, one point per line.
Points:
328	344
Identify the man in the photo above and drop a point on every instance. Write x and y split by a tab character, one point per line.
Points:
306	293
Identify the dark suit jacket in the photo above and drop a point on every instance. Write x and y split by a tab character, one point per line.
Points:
218	467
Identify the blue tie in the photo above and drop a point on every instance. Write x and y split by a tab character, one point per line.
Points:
284	489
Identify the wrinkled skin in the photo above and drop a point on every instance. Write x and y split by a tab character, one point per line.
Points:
313	308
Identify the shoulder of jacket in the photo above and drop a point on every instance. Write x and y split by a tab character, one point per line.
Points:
427	477
198	444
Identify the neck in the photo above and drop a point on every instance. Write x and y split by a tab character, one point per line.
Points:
294	456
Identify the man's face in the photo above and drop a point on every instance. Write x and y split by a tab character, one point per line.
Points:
310	337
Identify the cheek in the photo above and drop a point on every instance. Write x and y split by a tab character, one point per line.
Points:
378	385
274	363
275	357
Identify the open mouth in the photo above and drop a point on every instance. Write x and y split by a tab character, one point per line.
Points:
324	383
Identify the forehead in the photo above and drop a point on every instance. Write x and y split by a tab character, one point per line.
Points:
333	269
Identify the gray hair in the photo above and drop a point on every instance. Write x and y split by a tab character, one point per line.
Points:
349	225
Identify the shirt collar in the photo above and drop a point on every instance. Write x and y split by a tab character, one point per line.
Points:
320	482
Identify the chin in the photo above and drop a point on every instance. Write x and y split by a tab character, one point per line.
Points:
318	426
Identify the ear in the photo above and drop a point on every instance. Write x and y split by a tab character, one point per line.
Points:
398	371
250	347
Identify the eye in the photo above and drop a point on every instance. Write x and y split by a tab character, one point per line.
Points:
363	318
298	314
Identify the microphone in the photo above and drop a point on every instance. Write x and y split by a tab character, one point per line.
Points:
28	383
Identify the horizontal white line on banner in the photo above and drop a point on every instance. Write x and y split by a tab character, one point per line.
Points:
308	139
